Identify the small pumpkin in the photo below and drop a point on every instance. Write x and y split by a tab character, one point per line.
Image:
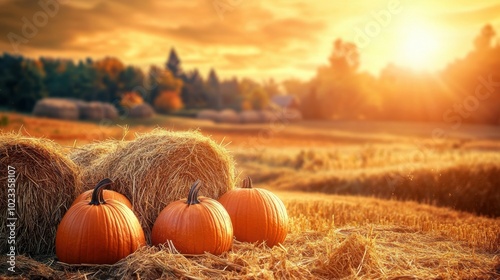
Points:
257	214
107	194
194	225
98	232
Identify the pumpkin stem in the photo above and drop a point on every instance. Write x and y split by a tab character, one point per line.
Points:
247	183
97	194
193	193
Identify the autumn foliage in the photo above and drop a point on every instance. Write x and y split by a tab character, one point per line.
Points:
131	99
168	101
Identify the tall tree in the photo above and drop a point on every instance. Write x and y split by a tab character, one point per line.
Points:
230	94
130	78
337	84
174	64
214	97
162	80
483	41
271	87
108	73
193	90
21	82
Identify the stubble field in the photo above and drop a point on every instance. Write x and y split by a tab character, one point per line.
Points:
366	201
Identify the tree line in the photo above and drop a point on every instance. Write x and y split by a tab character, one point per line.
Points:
467	90
23	81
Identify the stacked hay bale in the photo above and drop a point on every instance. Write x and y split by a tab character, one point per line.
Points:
46	184
56	108
110	111
207	115
228	116
160	167
268	116
292	115
250	117
141	111
80	104
92	111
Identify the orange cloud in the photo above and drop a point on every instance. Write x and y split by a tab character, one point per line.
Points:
285	38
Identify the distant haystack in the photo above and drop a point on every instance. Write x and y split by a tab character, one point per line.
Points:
92	111
80	104
228	116
268	116
110	111
250	117
207	115
56	108
292	115
141	111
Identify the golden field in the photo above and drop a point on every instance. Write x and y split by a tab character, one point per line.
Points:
366	201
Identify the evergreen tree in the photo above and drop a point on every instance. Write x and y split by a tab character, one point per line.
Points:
193	90
230	94
213	95
174	64
21	82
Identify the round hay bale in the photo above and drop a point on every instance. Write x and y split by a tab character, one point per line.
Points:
46	184
80	104
92	111
56	108
159	167
268	116
292	115
250	117
110	111
141	111
228	116
89	158
207	115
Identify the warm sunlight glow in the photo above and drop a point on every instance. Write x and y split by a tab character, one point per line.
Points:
418	47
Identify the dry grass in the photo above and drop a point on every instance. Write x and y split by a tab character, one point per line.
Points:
90	157
331	237
159	167
461	179
46	184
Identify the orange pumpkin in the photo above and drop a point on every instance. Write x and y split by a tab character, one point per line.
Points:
99	232
257	214
194	225
107	194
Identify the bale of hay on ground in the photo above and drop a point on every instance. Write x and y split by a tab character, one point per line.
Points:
80	104
250	117
141	111
92	111
268	116
159	167
46	184
207	115
56	108
89	158
110	111
292	115
228	116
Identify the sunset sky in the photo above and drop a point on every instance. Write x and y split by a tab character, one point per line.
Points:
258	39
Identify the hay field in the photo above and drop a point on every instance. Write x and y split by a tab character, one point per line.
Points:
366	205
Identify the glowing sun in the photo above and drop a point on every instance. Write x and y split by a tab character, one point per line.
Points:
418	46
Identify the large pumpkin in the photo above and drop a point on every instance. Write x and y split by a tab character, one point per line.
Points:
98	232
257	214
107	194
194	225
